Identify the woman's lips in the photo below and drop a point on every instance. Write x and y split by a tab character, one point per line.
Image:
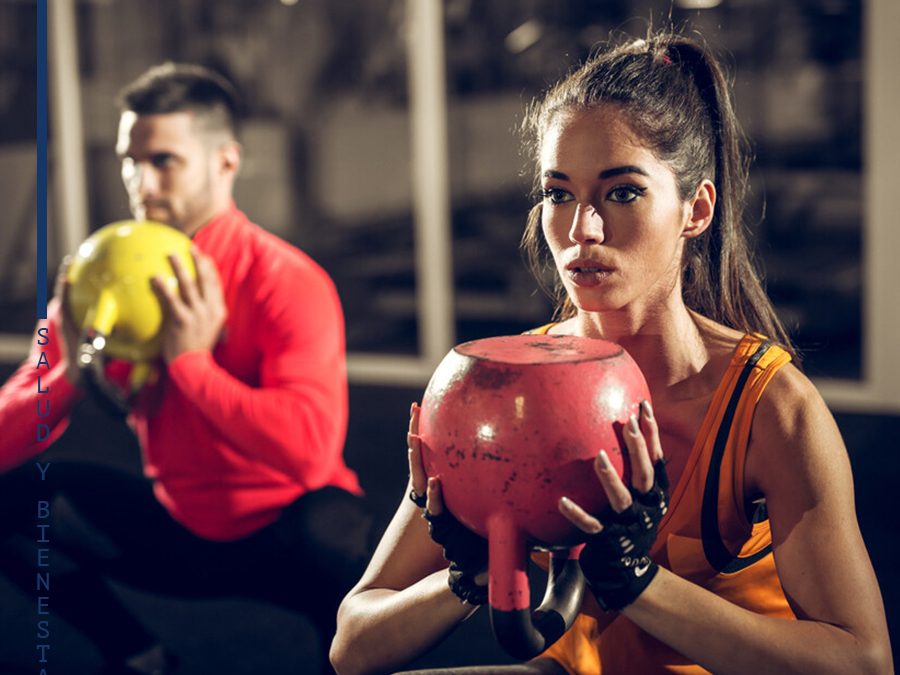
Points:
588	278
587	273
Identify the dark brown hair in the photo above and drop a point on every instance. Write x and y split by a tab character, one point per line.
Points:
180	87
676	98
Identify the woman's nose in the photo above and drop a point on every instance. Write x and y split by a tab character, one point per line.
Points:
587	226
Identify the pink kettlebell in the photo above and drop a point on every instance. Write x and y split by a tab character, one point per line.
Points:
510	425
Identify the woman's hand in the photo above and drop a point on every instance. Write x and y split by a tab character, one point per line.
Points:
466	552
616	560
418	480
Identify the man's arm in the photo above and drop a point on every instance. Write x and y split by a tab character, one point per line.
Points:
36	400
295	418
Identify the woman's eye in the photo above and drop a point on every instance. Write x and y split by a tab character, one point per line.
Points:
555	195
625	193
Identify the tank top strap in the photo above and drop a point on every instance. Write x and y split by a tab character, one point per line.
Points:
761	360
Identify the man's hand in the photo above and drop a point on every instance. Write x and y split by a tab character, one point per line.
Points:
193	317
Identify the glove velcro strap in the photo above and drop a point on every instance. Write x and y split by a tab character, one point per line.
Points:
461	546
464	587
622	589
616	562
466	552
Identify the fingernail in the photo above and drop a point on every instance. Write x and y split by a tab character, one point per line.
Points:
646	409
566	502
604	460
633	425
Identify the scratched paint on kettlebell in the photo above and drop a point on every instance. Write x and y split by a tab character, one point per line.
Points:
546	346
488	377
509	481
454	456
544	477
561	351
493	456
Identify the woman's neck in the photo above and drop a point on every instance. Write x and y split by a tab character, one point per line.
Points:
666	343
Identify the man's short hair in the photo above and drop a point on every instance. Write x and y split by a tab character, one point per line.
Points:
184	87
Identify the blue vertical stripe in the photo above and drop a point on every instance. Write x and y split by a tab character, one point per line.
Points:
42	159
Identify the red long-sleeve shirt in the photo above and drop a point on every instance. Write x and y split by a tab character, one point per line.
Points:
229	437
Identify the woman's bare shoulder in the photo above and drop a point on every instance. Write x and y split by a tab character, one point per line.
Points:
794	431
790	402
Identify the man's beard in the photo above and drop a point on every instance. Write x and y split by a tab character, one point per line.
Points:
158	211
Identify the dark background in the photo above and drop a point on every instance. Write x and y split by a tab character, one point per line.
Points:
327	152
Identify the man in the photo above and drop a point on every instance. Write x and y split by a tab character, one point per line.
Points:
245	490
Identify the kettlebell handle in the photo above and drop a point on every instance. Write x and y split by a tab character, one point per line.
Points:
525	634
92	365
521	632
91	357
98	324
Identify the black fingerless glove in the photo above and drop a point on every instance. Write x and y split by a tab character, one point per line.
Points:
616	561
466	552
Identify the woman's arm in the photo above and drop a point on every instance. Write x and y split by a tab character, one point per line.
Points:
536	667
403	604
798	461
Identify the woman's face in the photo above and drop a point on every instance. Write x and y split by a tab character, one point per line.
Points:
611	213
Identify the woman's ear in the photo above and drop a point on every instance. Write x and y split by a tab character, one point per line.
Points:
700	210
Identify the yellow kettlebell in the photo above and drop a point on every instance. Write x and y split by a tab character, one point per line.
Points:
109	292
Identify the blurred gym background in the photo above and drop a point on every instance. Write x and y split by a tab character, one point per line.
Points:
382	139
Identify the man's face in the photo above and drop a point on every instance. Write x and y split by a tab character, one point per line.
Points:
170	168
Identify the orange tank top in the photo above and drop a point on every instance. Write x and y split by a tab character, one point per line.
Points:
706	537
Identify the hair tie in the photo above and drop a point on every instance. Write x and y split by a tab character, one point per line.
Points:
666	60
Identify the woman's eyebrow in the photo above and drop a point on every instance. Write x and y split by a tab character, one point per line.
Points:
619	170
606	173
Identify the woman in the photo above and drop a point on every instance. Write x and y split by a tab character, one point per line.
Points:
642	177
